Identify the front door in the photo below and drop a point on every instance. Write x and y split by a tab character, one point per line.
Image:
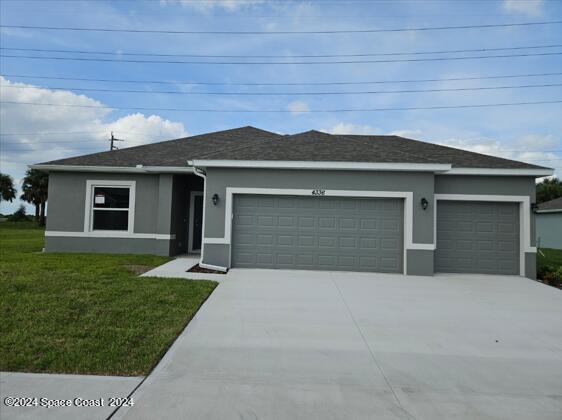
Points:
196	217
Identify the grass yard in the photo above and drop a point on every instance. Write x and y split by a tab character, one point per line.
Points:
552	257
86	313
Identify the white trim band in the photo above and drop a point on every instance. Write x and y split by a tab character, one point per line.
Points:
213	267
323	165
498	172
108	234
113	169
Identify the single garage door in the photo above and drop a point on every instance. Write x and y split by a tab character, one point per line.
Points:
317	233
477	237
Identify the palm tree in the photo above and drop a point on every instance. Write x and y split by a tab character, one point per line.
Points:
7	189
35	191
30	195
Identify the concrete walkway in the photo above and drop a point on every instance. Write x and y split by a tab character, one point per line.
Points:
274	344
48	389
177	268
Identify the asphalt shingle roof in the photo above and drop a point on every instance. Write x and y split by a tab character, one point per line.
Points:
249	143
555	204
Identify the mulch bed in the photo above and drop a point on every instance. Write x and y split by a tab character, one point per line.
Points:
197	269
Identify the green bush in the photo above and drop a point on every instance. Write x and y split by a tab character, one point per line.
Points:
550	275
19	215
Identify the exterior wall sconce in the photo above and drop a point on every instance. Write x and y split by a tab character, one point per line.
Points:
534	207
424	203
215	199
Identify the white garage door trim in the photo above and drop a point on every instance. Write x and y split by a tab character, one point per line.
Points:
406	195
524	218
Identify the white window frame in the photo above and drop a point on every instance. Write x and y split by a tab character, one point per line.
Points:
89	205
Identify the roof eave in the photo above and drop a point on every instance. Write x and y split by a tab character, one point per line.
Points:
536	172
321	165
549	211
112	169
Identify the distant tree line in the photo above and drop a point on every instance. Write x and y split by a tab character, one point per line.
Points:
549	189
34	188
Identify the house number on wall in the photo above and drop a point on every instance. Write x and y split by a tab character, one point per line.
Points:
318	192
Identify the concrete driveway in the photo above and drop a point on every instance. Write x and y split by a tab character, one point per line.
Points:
273	344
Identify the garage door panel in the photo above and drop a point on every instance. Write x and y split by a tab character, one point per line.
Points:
318	233
307	241
305	260
327	223
285	240
326	242
477	237
368	243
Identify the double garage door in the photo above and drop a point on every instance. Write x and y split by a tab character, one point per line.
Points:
319	233
366	234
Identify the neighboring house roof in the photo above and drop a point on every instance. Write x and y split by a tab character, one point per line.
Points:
550	206
249	143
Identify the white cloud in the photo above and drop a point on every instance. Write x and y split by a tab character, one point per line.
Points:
522	149
204	6
298	107
348	128
527	7
34	134
410	134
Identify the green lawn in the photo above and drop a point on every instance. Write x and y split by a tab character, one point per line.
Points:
86	313
552	257
549	266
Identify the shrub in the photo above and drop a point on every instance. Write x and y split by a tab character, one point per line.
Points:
19	215
550	275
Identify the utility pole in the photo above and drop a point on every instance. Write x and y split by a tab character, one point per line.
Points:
113	139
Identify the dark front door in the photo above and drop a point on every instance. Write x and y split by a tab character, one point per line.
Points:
197	221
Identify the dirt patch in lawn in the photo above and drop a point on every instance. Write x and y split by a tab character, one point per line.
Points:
198	269
138	269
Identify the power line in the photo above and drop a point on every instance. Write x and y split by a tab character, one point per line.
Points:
303	111
285	93
195	83
120	53
526	151
249	63
318	32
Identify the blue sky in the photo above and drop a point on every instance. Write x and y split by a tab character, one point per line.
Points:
31	134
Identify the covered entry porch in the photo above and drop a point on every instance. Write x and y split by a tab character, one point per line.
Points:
186	214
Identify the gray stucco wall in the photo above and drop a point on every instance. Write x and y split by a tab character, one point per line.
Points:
160	208
67	197
420	183
549	230
218	179
419	262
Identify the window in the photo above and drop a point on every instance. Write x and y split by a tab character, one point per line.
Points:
110	206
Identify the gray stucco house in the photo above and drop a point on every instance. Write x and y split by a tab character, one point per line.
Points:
549	224
251	198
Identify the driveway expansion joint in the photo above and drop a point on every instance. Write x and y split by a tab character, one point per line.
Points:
368	347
